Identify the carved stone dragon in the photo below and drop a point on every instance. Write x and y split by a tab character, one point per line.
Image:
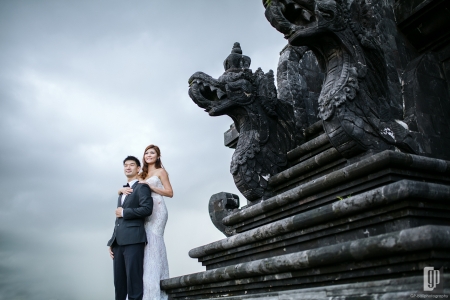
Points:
358	109
266	125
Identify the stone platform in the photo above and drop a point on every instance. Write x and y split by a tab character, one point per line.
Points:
345	164
401	254
355	223
390	289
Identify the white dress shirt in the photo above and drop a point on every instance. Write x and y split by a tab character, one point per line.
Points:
130	183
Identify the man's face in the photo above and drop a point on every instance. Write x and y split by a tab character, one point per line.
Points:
130	168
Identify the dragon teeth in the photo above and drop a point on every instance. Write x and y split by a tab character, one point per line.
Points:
306	15
220	94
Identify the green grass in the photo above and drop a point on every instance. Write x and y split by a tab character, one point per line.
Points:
342	198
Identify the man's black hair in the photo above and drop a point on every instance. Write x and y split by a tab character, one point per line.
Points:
129	157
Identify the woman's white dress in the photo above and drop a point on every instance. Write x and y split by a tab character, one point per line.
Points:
156	266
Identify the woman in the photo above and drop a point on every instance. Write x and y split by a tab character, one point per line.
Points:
156	267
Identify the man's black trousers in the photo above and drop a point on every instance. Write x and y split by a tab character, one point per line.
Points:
128	265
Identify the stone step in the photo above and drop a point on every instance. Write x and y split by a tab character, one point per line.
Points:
309	149
387	256
364	175
310	161
313	130
294	173
395	288
400	205
407	265
314	158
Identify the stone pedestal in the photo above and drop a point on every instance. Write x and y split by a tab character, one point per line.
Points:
353	206
336	228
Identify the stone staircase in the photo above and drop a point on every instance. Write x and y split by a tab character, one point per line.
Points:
333	226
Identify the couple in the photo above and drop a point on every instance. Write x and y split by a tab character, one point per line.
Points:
137	245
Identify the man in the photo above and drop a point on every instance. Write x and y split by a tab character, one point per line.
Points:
126	247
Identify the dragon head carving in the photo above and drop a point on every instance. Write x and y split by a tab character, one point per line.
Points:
265	124
234	91
359	103
303	20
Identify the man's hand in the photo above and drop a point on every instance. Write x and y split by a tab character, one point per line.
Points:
119	212
111	253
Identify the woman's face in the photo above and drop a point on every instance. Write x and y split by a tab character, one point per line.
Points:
150	156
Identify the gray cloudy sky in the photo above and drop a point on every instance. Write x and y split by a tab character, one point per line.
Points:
84	84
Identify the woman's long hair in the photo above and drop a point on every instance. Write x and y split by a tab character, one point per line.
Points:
158	163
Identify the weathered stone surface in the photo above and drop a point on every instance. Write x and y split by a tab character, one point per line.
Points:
326	196
360	99
427	105
396	216
313	130
320	141
315	162
220	206
266	124
299	82
405	9
405	241
388	194
426	23
383	109
231	137
406	265
363	56
390	289
368	165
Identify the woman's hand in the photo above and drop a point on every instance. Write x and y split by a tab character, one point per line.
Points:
125	191
144	182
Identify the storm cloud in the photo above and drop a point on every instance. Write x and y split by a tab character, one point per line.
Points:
83	84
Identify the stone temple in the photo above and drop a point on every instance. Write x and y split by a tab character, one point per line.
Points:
344	162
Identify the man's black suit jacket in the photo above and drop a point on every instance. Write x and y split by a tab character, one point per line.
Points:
136	207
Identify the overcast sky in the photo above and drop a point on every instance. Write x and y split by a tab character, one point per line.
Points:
83	84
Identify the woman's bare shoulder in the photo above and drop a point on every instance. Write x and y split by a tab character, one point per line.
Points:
161	171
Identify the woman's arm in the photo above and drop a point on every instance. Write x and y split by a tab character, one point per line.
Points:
167	191
125	190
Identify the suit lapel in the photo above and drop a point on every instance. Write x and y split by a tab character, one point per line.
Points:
119	201
127	197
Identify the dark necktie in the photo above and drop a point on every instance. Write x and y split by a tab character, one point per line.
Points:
127	185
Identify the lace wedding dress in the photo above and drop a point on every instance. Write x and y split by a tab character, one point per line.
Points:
156	266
